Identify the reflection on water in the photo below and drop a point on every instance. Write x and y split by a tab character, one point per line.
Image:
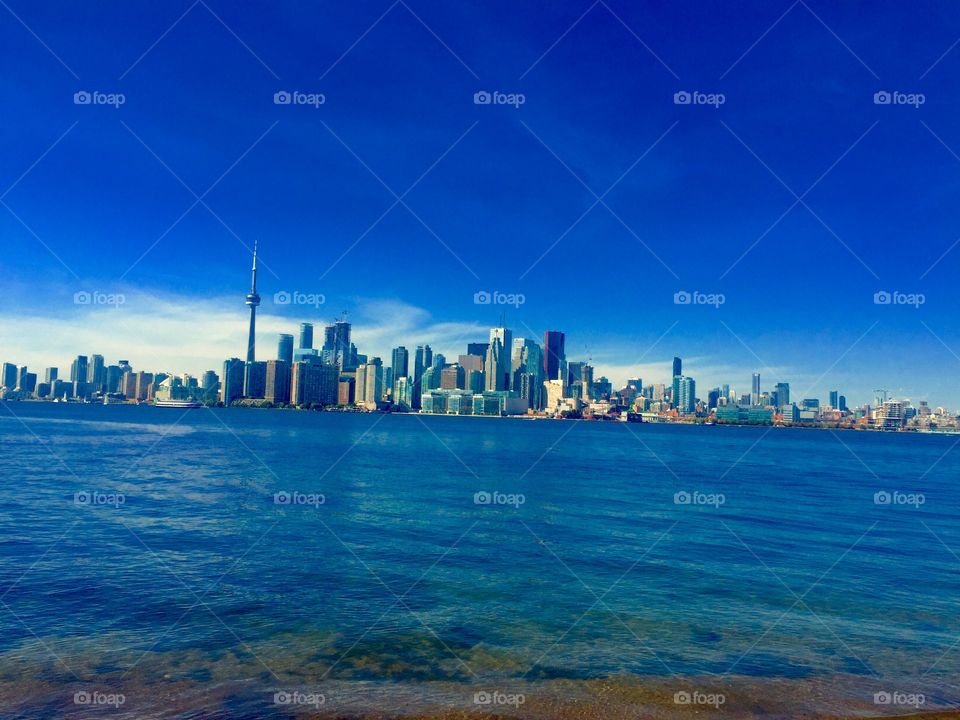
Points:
199	596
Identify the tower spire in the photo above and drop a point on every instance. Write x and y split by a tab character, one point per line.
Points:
252	300
253	279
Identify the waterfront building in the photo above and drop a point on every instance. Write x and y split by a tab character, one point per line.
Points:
346	394
143	381
313	383
254	379
755	390
9	376
687	402
277	382
403	393
232	384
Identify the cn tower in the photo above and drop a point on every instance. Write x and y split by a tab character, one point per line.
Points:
252	301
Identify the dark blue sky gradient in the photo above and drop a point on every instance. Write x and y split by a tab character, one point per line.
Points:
799	99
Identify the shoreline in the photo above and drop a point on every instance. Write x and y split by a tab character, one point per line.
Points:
603	420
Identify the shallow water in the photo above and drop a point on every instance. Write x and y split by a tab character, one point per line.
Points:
187	589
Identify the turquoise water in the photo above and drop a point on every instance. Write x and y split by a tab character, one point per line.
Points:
176	580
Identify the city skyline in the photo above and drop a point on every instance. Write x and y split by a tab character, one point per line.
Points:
496	368
657	357
768	199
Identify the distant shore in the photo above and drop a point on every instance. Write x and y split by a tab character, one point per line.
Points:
702	422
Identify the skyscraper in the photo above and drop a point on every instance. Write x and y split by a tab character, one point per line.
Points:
49	376
497	365
96	374
306	336
277	384
688	395
253	300
835	399
553	354
677	367
400	363
9	376
336	345
231	387
755	391
285	348
422	359
783	394
78	369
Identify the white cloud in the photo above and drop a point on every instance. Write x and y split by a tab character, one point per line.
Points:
165	332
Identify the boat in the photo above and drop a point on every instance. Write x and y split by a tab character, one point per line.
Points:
182	404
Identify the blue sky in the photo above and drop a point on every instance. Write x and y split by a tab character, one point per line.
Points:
700	197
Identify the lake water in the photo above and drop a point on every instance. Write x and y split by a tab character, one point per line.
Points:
269	564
